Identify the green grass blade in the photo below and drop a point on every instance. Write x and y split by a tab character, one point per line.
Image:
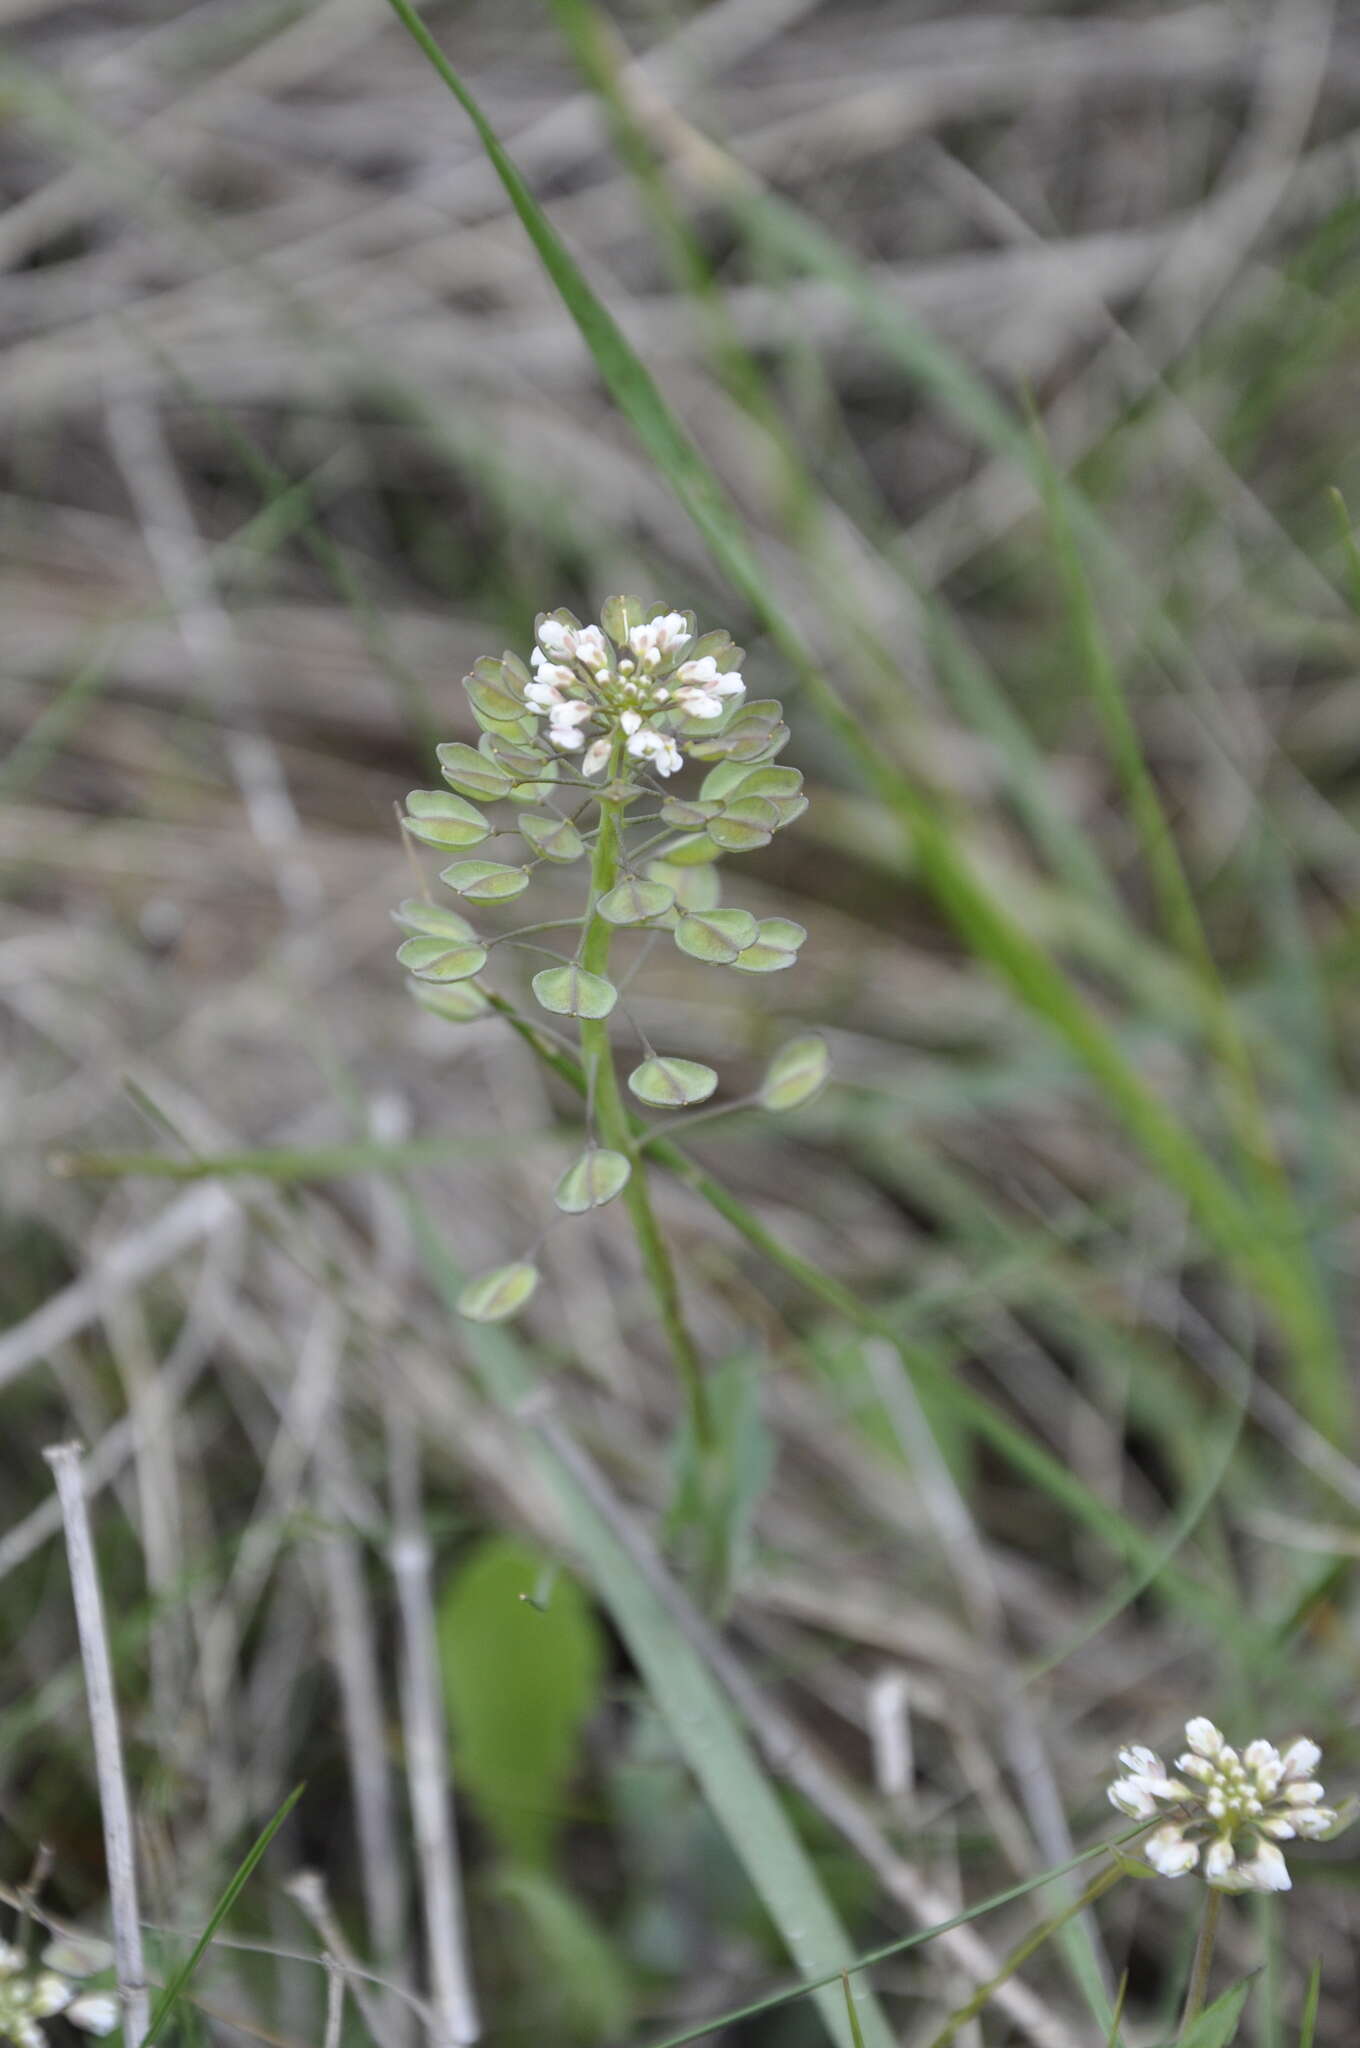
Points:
179	1981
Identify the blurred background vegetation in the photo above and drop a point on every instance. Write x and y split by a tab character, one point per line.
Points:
1016	345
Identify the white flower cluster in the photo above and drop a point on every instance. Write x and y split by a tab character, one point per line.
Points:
29	1994
1224	1813
586	683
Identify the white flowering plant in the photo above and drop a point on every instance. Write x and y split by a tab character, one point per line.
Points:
1222	1813
582	742
31	1992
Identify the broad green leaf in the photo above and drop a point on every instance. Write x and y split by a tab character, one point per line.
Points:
521	1681
486	881
775	948
473	773
586	1991
493	1296
555	838
459	1003
441	819
436	960
692	888
797	1072
417	917
672	1083
1216	2026
594	1179
571	992
633	901
716	935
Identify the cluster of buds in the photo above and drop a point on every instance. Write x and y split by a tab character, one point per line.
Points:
31	1993
1225	1814
582	740
635	681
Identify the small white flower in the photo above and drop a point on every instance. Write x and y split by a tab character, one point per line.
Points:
94	2011
1169	1852
596	757
544	693
1130	1797
630	721
652	642
1203	1737
658	748
592	649
1219	1859
705	674
699	703
1301	1758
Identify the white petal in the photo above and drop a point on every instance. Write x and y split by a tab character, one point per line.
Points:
1219	1858
1309	1794
26	2033
1267	1871
1203	1737
11	1959
1170	1853
630	721
1130	1797
95	2011
1197	1767
1301	1758
556	640
1279	1829
1312	1822
705	670
596	757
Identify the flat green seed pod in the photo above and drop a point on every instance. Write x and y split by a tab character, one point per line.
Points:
442	819
695	888
634	901
491	1297
618	614
797	1072
486	881
716	935
432	919
776	947
672	1083
458	1003
782	931
690	817
555	838
436	960
594	1179
571	992
733	836
472	773
693	852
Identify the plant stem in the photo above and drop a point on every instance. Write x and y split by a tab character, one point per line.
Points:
614	1123
1204	1956
1028	1947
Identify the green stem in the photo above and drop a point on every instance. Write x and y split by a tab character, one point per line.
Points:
1021	1955
1203	1963
615	1127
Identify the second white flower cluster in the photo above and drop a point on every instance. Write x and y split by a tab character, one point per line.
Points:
1224	1813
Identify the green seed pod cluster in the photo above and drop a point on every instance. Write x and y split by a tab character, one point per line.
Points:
574	765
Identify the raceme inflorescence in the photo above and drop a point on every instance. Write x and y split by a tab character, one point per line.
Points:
1225	1813
581	744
